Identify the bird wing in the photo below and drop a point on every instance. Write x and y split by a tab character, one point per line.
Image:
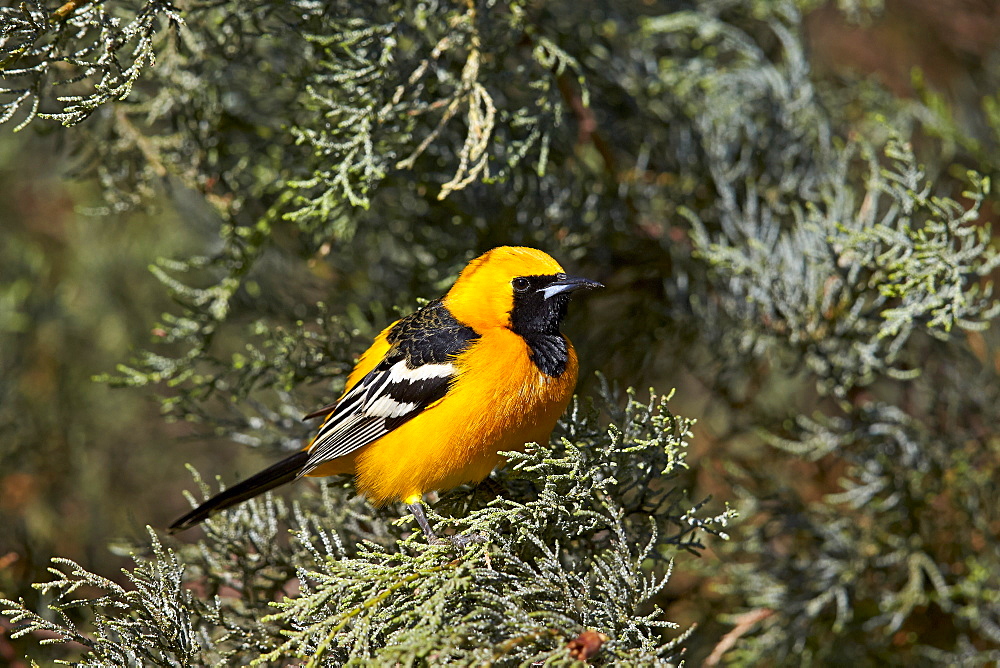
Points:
417	371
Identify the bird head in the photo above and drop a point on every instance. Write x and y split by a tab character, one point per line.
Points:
518	288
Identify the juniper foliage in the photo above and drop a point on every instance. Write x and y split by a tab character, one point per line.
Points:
848	272
813	251
582	536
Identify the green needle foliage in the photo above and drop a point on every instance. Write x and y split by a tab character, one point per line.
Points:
900	262
582	536
805	256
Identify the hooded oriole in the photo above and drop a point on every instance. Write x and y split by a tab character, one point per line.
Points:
442	391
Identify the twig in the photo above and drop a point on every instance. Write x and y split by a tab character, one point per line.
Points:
744	623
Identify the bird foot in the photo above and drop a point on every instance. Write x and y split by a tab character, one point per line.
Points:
459	542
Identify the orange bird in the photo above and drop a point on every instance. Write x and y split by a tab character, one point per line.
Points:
441	392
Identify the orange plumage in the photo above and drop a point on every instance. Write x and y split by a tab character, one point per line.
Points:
440	393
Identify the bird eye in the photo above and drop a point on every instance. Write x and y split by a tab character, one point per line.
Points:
520	284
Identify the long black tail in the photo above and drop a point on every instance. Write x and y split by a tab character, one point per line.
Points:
284	471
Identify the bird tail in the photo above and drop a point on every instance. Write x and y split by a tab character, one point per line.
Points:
284	471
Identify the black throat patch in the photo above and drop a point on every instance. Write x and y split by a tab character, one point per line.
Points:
536	319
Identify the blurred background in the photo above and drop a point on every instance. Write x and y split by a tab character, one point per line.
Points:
84	467
81	464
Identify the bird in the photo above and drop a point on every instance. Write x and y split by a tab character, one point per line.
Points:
440	393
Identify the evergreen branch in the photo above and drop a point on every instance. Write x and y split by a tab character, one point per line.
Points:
563	556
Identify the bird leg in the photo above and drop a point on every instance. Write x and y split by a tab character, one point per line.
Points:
417	508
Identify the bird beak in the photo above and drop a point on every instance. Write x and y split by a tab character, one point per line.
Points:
569	284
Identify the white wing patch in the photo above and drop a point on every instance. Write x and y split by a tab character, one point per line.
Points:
400	372
377	401
383	406
381	401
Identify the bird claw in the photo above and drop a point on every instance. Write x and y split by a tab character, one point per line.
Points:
459	542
